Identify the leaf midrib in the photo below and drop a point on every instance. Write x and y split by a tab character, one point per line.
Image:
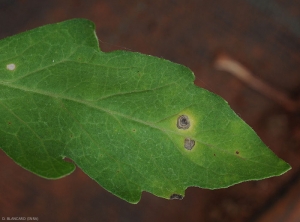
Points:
58	96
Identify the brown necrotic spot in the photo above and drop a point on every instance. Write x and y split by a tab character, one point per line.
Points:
176	197
189	143
183	122
237	152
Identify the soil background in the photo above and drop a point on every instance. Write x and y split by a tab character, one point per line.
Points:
264	36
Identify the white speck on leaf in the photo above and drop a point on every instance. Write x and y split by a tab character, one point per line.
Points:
11	67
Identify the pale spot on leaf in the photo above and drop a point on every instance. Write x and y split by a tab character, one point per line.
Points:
11	67
189	143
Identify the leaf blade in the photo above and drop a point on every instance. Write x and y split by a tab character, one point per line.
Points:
116	114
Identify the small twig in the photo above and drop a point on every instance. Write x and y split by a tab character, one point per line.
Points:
225	63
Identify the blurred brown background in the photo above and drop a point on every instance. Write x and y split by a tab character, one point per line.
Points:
264	36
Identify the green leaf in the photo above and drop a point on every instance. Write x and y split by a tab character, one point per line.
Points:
132	122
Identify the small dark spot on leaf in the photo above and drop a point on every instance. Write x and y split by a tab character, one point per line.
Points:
71	135
176	197
183	122
237	152
134	130
214	154
9	123
189	143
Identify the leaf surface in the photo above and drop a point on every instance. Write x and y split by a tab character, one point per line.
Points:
132	122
